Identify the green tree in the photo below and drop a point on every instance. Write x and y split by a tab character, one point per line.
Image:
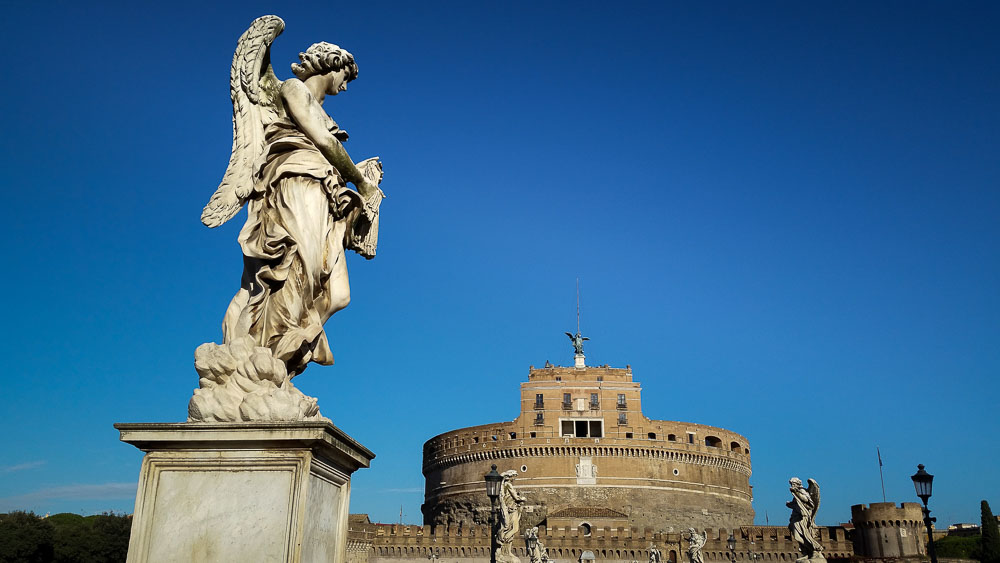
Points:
101	538
71	538
990	547
957	547
111	533
25	538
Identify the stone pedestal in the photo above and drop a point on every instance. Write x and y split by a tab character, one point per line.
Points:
580	361
271	491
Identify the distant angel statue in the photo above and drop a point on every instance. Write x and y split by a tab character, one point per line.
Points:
289	167
802	523
696	541
654	554
577	340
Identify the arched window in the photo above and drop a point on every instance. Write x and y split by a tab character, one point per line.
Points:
713	441
585	529
734	447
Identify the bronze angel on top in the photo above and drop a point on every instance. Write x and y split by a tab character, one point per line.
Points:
289	167
577	340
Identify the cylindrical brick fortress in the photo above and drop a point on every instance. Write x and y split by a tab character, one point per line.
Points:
884	530
581	443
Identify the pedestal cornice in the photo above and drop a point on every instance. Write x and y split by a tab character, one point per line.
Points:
323	438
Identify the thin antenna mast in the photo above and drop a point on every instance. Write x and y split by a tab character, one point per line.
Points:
578	305
877	452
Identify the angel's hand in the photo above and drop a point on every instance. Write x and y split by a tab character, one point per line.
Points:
367	189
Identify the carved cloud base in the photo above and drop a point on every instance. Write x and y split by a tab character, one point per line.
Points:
242	491
242	382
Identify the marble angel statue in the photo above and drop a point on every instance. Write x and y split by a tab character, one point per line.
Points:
802	523
289	168
654	554
534	546
511	502
696	542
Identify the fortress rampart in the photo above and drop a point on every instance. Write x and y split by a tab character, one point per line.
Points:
384	543
582	441
884	530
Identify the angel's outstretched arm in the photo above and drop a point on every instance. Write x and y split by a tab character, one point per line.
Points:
310	117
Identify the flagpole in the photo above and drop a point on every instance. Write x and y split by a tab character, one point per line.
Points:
877	452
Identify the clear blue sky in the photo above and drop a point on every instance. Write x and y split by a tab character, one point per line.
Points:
784	216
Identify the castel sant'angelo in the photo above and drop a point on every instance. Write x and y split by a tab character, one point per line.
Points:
599	481
586	456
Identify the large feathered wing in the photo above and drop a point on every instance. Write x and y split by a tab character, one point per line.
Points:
813	491
253	88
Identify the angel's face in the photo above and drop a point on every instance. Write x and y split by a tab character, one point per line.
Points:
337	82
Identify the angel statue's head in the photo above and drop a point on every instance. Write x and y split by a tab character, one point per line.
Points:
322	58
795	483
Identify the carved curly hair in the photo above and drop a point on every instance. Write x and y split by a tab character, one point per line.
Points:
324	57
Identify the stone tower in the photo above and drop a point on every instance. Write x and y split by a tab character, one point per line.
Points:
885	530
581	445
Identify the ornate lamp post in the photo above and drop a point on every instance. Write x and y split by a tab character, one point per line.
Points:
493	482
731	543
922	482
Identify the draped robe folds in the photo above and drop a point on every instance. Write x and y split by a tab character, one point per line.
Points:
801	522
510	520
299	221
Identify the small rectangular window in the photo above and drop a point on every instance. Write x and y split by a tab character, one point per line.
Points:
690	438
622	419
567	401
539	418
539	400
621	400
594	401
581	428
628	435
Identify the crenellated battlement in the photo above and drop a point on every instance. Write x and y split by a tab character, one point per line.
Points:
589	373
390	542
885	514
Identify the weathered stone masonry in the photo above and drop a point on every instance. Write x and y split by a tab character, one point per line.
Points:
581	441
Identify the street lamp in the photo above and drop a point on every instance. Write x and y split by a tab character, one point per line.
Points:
922	482
731	542
493	482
